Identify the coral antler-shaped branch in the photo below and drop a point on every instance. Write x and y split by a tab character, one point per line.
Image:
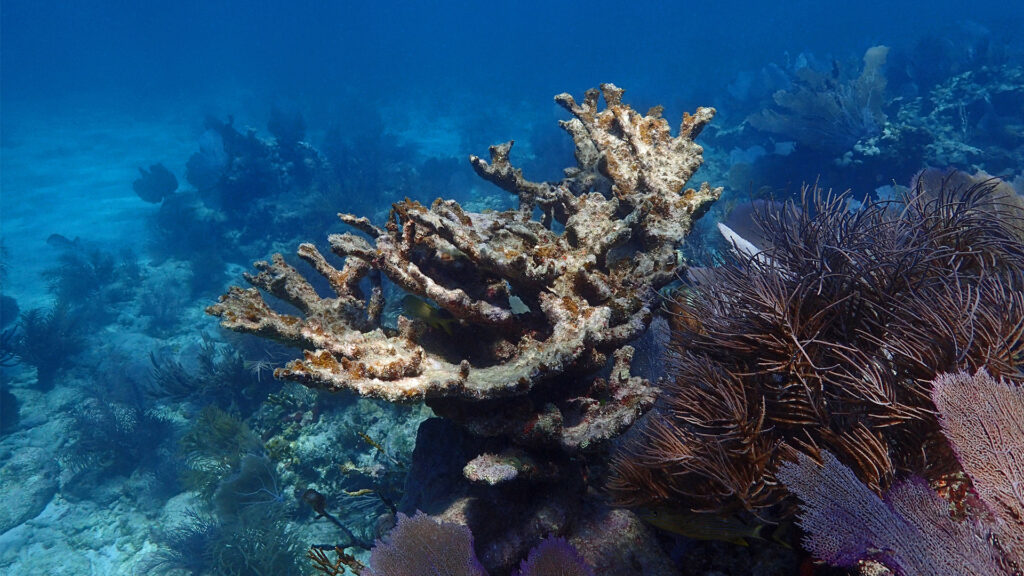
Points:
621	151
587	290
637	153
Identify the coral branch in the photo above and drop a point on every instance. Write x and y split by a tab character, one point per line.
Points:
586	290
502	174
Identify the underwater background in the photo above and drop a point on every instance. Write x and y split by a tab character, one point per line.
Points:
150	152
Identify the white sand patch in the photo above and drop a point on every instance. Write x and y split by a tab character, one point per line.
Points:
69	171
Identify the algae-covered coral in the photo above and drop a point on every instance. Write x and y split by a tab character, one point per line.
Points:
537	304
587	287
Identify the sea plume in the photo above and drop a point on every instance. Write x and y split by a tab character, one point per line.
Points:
829	339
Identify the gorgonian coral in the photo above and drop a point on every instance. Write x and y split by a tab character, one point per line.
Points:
423	545
984	421
554	556
910	530
830	338
826	111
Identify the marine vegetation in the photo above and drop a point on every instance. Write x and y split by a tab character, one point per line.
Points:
9	404
92	282
213	448
826	342
80	274
204	544
8	352
241	524
827	111
222	377
185	546
47	339
423	545
910	530
536	305
108	437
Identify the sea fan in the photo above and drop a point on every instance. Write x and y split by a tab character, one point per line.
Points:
984	421
909	531
421	545
554	557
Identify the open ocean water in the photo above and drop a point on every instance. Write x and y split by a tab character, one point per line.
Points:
150	152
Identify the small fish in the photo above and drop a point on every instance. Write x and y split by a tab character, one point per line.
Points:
419	309
517	306
358	493
704	526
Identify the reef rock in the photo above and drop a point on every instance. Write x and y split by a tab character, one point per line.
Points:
28	481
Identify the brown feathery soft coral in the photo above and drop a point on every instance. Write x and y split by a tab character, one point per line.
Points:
829	339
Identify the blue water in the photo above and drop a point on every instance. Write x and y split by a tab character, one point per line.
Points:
395	95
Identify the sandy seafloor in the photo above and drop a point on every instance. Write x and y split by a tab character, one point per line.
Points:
67	169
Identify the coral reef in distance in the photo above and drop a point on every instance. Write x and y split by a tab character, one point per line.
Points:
538	304
821	111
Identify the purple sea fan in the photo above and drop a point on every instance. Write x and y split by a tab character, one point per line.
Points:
909	532
424	546
983	417
554	557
